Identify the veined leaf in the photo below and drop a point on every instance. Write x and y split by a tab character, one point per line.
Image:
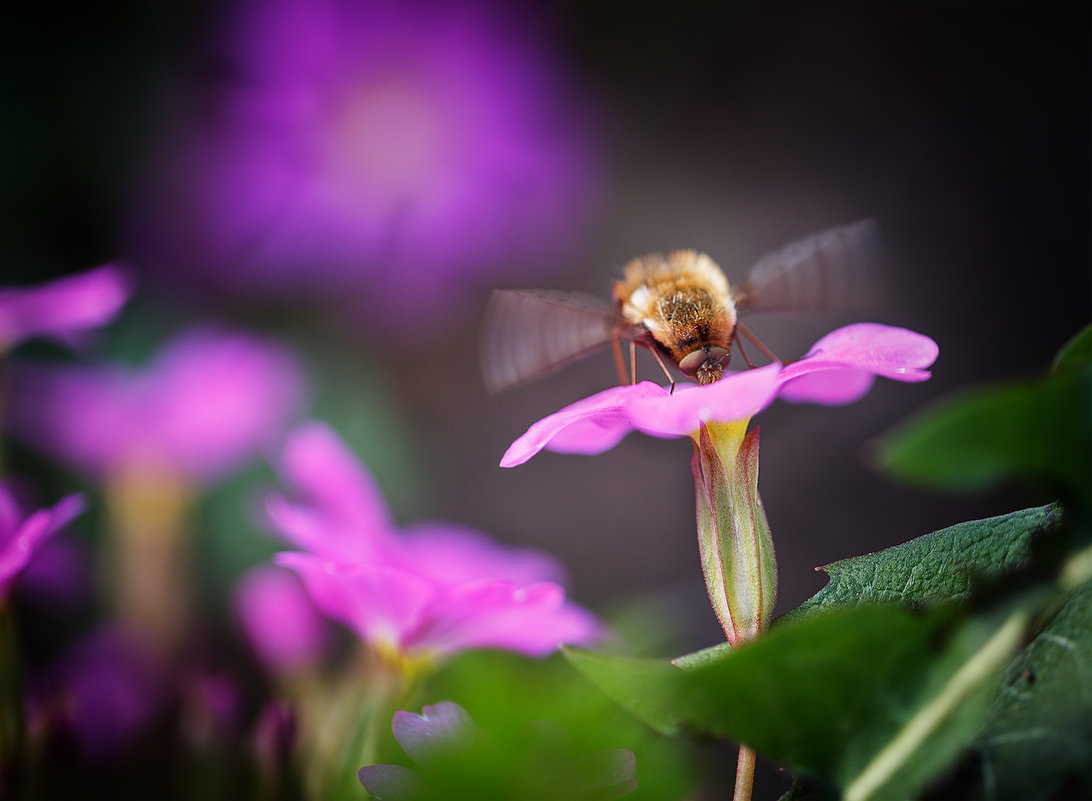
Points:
875	700
1039	729
941	566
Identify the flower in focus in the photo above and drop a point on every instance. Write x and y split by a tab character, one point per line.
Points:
734	540
421	593
64	308
538	763
839	369
209	401
282	626
22	536
391	151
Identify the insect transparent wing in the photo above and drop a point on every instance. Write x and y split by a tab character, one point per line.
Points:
530	333
833	269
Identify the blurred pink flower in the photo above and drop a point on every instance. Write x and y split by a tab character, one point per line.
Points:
64	308
209	401
839	369
427	591
394	150
279	622
22	536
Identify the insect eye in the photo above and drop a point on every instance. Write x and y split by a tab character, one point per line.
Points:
690	363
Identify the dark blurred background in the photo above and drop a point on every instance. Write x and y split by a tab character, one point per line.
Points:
964	128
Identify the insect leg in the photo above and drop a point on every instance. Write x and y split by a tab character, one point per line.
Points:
765	351
660	361
743	352
619	361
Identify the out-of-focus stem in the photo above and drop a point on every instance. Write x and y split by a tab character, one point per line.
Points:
12	731
147	513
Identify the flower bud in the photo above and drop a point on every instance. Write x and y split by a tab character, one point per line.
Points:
737	555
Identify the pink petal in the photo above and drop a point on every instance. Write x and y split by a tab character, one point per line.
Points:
450	554
63	307
592	425
220	398
840	366
318	465
210	401
307	528
279	621
737	396
16	551
533	620
381	604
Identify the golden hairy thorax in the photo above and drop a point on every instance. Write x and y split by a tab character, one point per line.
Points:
682	299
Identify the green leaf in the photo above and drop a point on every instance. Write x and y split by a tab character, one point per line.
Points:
875	700
1038	430
942	566
504	692
1039	730
650	689
1075	353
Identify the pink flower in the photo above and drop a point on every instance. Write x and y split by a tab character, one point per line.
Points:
384	154
63	308
839	369
21	537
424	592
209	401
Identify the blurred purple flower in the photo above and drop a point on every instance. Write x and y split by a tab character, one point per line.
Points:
60	574
22	536
64	308
394	150
211	707
840	368
541	764
210	400
110	689
279	622
425	592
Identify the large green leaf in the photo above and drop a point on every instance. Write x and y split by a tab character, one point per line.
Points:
877	701
942	566
1039	731
1038	430
1076	353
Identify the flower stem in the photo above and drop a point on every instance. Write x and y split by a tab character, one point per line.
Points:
745	774
735	545
147	511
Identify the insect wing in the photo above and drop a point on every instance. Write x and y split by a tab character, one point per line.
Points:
833	269
530	333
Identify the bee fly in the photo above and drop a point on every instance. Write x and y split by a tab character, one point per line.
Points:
679	306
